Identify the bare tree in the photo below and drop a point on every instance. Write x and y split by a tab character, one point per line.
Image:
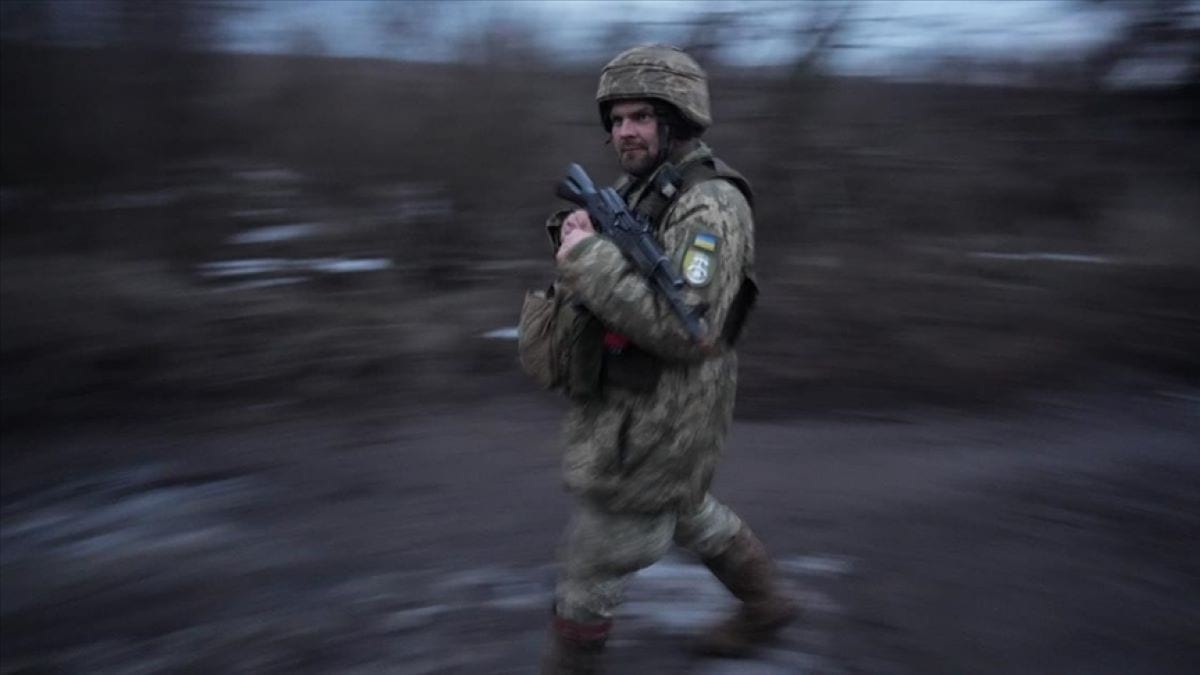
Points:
160	79
620	35
1163	31
26	21
816	35
306	41
410	28
710	33
148	25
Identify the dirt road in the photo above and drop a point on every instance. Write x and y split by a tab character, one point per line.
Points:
1056	539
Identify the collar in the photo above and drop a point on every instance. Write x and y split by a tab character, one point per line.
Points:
681	155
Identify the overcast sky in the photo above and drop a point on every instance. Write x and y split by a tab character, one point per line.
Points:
881	34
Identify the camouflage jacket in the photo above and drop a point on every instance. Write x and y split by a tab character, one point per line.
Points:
657	450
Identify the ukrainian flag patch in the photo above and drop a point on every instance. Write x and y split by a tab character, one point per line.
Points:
700	259
705	241
698	267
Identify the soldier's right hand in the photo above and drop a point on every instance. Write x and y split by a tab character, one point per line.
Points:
578	220
575	228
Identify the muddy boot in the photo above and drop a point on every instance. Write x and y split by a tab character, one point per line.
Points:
748	573
574	648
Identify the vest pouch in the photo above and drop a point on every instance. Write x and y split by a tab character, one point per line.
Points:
539	355
583	337
560	344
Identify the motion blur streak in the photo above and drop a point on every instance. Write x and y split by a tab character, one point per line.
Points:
261	408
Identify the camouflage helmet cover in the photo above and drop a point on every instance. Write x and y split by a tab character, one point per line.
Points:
659	72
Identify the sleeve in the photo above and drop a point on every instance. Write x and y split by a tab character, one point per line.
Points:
707	234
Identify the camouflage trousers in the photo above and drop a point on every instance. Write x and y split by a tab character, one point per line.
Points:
601	550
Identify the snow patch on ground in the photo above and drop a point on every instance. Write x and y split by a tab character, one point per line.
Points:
140	527
1038	256
507	333
277	233
819	565
253	266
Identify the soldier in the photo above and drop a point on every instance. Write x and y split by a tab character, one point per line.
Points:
651	408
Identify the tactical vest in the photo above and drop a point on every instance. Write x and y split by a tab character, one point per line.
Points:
625	365
670	183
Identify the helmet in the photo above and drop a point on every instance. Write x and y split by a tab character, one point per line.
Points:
659	72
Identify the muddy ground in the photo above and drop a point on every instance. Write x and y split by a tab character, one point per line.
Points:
1053	537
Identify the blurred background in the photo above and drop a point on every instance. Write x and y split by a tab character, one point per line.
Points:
262	263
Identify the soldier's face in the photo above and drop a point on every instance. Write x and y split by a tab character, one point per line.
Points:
635	136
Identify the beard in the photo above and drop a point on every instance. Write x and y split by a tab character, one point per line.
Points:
637	160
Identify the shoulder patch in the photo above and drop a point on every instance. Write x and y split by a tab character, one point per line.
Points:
700	260
698	267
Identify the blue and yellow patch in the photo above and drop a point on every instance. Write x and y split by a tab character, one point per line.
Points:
705	241
700	260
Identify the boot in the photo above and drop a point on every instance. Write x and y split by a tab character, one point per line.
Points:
748	573
575	648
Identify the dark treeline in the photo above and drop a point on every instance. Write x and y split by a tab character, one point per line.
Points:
945	241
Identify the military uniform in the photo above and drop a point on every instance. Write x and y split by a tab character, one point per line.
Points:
652	407
655	450
652	453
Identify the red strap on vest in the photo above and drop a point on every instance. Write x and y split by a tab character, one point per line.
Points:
615	342
581	633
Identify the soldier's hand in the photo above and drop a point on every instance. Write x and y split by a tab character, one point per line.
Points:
578	219
575	228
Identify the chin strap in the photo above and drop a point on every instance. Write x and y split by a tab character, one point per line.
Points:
664	141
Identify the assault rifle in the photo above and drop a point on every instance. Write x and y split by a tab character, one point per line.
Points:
632	234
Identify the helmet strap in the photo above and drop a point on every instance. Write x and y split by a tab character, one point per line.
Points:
664	140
